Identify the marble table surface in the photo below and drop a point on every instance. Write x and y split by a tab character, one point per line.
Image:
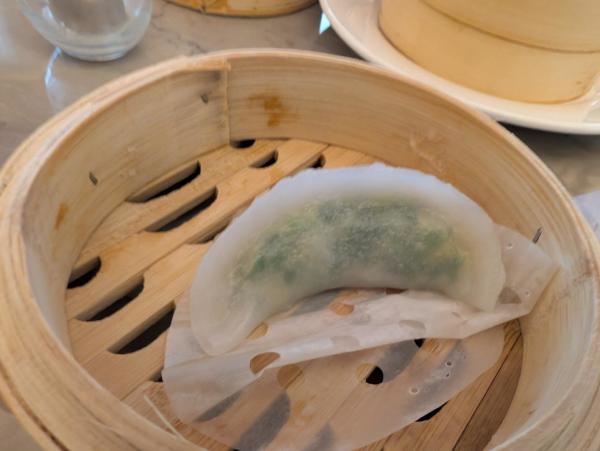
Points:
36	80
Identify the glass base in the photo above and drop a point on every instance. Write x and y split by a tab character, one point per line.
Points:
95	56
86	37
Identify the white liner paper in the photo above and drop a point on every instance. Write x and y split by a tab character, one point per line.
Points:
338	328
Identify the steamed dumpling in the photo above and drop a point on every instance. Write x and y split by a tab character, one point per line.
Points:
369	226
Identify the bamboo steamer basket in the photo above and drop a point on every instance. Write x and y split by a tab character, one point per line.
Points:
570	25
105	193
246	8
484	61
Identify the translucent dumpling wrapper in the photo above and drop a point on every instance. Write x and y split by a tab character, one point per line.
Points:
336	323
369	226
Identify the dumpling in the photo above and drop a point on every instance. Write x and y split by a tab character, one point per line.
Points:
368	226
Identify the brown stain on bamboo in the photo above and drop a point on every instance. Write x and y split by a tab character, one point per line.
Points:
63	209
273	106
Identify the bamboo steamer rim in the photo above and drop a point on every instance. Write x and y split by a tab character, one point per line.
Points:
565	25
112	424
246	8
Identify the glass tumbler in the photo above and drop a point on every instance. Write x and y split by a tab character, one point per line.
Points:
94	30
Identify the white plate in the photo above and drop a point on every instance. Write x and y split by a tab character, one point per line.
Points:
355	21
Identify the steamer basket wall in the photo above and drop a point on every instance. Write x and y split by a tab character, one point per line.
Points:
83	164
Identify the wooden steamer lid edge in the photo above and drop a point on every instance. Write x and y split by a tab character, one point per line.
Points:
568	25
246	8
